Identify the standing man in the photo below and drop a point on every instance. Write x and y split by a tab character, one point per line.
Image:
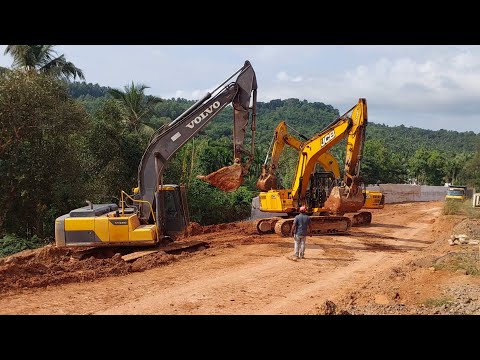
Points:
300	229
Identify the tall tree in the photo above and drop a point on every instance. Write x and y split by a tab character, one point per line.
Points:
43	59
454	165
427	167
470	173
39	158
111	164
137	103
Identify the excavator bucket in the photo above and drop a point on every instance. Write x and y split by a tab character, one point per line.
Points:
228	178
341	200
266	183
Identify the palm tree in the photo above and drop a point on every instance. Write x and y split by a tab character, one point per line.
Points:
43	59
137	103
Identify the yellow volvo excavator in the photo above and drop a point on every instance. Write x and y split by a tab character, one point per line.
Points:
156	211
326	197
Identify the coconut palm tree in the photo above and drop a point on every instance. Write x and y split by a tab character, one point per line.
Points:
137	103
43	59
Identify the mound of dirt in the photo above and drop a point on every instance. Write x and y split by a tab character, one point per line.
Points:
242	227
194	229
470	227
51	265
151	261
47	255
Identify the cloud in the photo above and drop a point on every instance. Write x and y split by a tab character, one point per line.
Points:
414	85
283	76
196	94
435	87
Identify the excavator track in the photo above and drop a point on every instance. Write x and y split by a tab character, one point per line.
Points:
131	253
362	218
320	225
266	225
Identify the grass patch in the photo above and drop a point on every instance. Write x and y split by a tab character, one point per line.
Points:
467	260
438	302
472	213
457	207
453	207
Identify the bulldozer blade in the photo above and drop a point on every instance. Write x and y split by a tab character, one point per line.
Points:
268	183
342	201
228	178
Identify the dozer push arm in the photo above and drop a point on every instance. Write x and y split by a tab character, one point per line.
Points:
171	137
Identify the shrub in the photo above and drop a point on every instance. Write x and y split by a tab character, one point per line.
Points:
11	244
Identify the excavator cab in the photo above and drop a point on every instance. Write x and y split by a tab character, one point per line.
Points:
319	188
172	210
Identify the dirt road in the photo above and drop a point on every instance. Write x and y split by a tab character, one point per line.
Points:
245	273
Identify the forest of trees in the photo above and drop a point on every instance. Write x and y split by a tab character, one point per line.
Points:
65	142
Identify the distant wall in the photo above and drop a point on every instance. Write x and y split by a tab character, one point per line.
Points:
394	193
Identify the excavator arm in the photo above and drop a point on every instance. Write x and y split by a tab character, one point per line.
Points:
355	143
351	125
171	137
268	179
281	137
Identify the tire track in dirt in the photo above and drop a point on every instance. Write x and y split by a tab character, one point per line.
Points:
275	292
334	284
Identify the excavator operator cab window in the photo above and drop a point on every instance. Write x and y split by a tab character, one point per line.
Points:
319	188
174	212
171	210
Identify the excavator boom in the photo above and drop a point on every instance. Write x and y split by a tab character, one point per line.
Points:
171	137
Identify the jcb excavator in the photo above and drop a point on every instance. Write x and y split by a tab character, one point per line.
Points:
156	211
326	197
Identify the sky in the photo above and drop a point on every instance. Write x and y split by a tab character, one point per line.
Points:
425	86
